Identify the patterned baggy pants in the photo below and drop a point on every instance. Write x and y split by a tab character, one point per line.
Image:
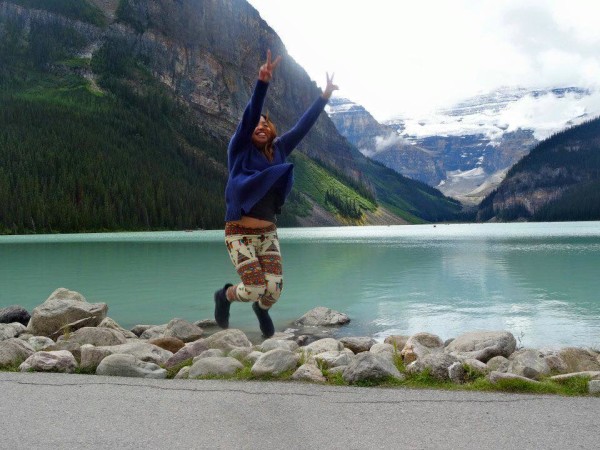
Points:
256	256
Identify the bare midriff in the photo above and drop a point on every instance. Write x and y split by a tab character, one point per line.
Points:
251	222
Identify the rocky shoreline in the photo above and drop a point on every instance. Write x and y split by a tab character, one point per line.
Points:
67	334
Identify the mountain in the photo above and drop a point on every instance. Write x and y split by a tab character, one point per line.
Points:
466	150
117	113
559	180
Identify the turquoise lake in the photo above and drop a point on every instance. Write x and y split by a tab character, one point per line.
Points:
541	281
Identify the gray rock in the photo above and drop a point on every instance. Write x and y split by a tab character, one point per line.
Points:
171	344
476	366
40	343
436	362
498	364
367	366
321	316
57	361
579	359
333	359
11	330
183	374
155	332
73	347
14	313
184	330
228	340
594	375
483	345
125	365
64	311
95	336
206	323
109	323
240	353
309	372
14	351
275	362
253	356
419	345
335	370
556	364
495	377
322	345
217	366
529	363
358	344
457	373
190	351
272	344
210	353
138	330
92	356
380	348
594	387
398	341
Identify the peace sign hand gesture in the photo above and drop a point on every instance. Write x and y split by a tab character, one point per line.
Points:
265	72
330	87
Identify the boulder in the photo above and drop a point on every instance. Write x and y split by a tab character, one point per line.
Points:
95	336
154	332
253	356
124	365
579	359
367	367
215	366
14	351
309	372
72	347
189	351
210	353
11	330
183	374
498	364
436	362
419	345
240	353
92	356
184	330
556	364
321	316
14	313
271	344
275	362
358	344
40	343
323	345
138	330
107	322
65	311
476	366
483	345
594	375
398	341
529	363
381	348
333	358
594	387
228	339
495	377
171	344
57	361
457	373
206	323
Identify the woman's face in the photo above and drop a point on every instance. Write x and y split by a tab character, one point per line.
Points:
262	133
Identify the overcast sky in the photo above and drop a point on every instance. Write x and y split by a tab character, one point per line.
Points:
409	57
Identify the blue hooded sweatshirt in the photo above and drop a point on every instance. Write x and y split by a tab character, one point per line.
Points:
251	174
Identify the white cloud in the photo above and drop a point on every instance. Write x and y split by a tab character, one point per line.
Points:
406	57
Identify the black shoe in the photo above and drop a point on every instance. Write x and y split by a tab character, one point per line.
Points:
222	307
264	320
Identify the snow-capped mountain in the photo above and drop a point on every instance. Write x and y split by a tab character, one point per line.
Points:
466	149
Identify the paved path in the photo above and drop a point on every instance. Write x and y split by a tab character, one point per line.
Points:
55	411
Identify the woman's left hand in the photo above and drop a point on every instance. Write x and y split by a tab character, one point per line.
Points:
330	87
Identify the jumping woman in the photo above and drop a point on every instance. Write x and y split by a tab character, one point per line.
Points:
259	182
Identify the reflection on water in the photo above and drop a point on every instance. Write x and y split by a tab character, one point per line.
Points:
540	281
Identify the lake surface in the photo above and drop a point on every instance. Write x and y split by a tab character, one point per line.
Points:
541	281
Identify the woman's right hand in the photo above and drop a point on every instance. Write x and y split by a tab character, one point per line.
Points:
265	72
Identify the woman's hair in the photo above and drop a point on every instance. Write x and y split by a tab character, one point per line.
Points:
268	150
